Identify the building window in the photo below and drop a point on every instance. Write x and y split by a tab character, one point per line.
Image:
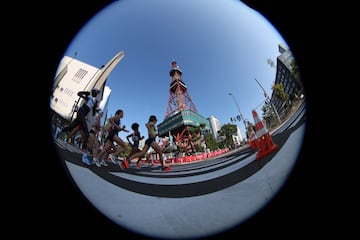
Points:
79	75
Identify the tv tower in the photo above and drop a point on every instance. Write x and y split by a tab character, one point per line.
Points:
182	122
179	98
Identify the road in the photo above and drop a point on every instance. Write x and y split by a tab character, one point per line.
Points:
192	200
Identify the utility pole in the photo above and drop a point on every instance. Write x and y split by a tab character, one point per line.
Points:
241	116
268	100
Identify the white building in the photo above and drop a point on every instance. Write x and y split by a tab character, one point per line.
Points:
237	139
73	76
214	126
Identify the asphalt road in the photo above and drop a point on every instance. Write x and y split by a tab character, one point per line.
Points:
194	200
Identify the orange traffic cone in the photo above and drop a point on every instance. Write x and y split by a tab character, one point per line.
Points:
265	143
252	140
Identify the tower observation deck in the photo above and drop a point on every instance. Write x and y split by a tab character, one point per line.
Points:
182	121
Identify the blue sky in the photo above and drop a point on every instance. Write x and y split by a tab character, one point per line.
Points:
220	46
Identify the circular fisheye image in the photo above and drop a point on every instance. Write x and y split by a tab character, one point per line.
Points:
186	117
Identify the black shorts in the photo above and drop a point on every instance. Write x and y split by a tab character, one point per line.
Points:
149	141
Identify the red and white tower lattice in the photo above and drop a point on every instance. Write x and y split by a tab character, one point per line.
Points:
179	98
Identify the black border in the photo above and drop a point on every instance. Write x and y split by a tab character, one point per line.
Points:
55	203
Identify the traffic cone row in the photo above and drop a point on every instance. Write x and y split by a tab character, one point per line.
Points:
264	141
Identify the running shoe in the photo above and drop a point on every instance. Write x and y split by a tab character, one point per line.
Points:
98	164
122	165
86	160
138	165
126	163
103	163
113	159
166	168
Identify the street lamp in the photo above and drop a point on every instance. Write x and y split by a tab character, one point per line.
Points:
267	99
241	116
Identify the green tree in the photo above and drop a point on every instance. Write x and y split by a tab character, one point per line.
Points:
268	114
280	92
249	127
210	142
226	131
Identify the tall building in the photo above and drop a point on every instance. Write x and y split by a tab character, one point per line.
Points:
181	117
292	85
179	97
214	126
